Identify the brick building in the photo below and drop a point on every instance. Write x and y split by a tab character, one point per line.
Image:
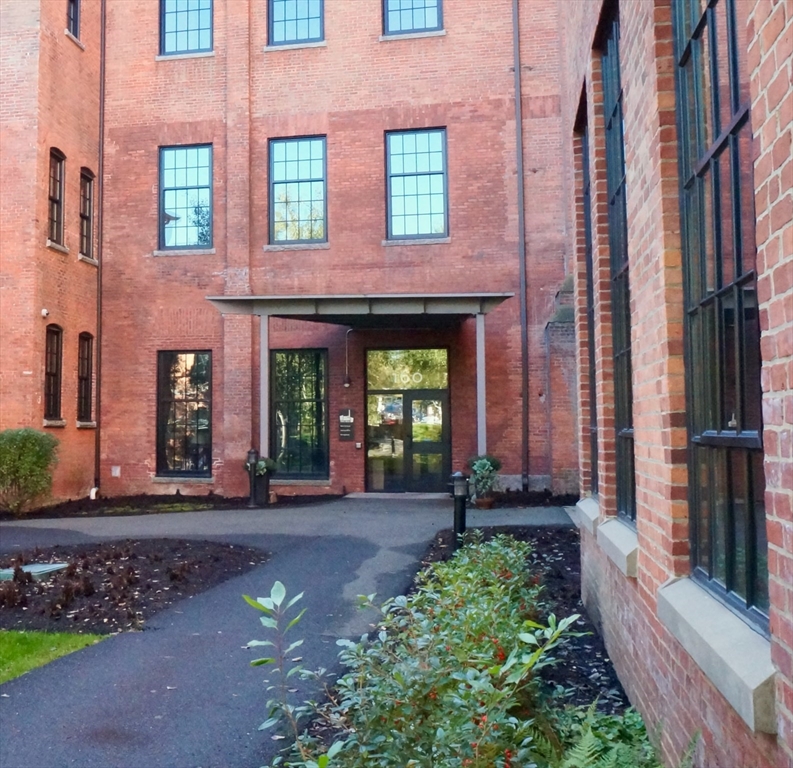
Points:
678	118
49	165
332	232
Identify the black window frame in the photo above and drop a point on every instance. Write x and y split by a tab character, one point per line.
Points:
161	212
271	190
164	13
388	32
323	444
721	318
389	175
53	372
85	365
271	21
56	186
625	469
73	18
164	467
86	213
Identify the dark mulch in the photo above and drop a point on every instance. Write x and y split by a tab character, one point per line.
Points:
584	668
115	586
151	504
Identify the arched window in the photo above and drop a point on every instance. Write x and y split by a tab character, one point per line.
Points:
86	213
57	168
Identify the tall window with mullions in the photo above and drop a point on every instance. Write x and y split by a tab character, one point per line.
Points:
620	282
726	481
299	418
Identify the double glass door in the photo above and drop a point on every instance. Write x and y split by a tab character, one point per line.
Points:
407	432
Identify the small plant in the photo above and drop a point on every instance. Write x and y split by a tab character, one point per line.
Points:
27	458
485	469
263	466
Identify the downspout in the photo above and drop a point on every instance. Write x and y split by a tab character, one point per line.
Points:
524	315
99	235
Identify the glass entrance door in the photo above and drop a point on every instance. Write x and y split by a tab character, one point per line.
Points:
407	433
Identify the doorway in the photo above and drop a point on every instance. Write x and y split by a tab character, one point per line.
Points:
408	441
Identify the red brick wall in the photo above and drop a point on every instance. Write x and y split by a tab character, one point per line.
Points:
661	679
352	89
50	98
770	59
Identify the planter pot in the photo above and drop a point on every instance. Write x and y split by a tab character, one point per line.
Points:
261	488
485	503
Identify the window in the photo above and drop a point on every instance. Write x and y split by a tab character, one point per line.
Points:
299	422
402	16
87	213
53	355
727	485
590	311
185	26
73	17
416	171
620	283
184	413
57	163
297	190
85	356
296	21
186	197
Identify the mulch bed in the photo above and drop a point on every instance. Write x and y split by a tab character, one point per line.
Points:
154	504
584	669
115	586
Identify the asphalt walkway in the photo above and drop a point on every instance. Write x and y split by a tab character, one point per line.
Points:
181	694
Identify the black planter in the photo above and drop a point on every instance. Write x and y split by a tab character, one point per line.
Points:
261	487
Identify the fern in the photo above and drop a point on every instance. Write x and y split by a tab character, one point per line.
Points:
584	753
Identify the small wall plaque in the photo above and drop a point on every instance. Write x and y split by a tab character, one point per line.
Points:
346	424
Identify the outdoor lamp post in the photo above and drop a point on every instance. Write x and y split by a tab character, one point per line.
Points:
460	496
253	460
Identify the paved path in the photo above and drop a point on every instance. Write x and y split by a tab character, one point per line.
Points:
181	694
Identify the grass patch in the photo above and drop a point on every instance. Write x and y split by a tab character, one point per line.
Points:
22	651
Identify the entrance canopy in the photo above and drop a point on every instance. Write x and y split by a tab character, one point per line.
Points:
372	311
367	310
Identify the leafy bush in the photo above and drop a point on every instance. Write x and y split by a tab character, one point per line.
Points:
449	680
27	458
485	469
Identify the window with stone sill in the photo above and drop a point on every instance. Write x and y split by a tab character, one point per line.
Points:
73	17
186	197
729	549
407	16
185	26
53	360
292	22
55	198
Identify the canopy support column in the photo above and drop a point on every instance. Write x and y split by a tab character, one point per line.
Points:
264	385
481	398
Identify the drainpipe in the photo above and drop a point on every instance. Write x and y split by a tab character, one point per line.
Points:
99	235
524	315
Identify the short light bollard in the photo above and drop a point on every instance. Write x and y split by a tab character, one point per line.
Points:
460	496
253	460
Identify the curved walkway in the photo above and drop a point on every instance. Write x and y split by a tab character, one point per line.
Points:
181	694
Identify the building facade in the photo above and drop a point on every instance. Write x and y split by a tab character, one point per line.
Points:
678	117
49	241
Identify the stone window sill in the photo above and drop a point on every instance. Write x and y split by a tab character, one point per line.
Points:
296	247
297	481
54	423
86	425
295	46
586	514
74	39
57	246
87	259
412	35
417	241
185	252
735	658
174	56
184	480
620	543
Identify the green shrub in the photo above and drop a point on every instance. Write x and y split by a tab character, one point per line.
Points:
27	458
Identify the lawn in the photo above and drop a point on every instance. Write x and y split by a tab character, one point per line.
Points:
22	651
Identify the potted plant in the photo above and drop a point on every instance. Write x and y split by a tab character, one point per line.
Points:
485	470
263	468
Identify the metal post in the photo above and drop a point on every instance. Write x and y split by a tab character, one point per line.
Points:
460	493
253	460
